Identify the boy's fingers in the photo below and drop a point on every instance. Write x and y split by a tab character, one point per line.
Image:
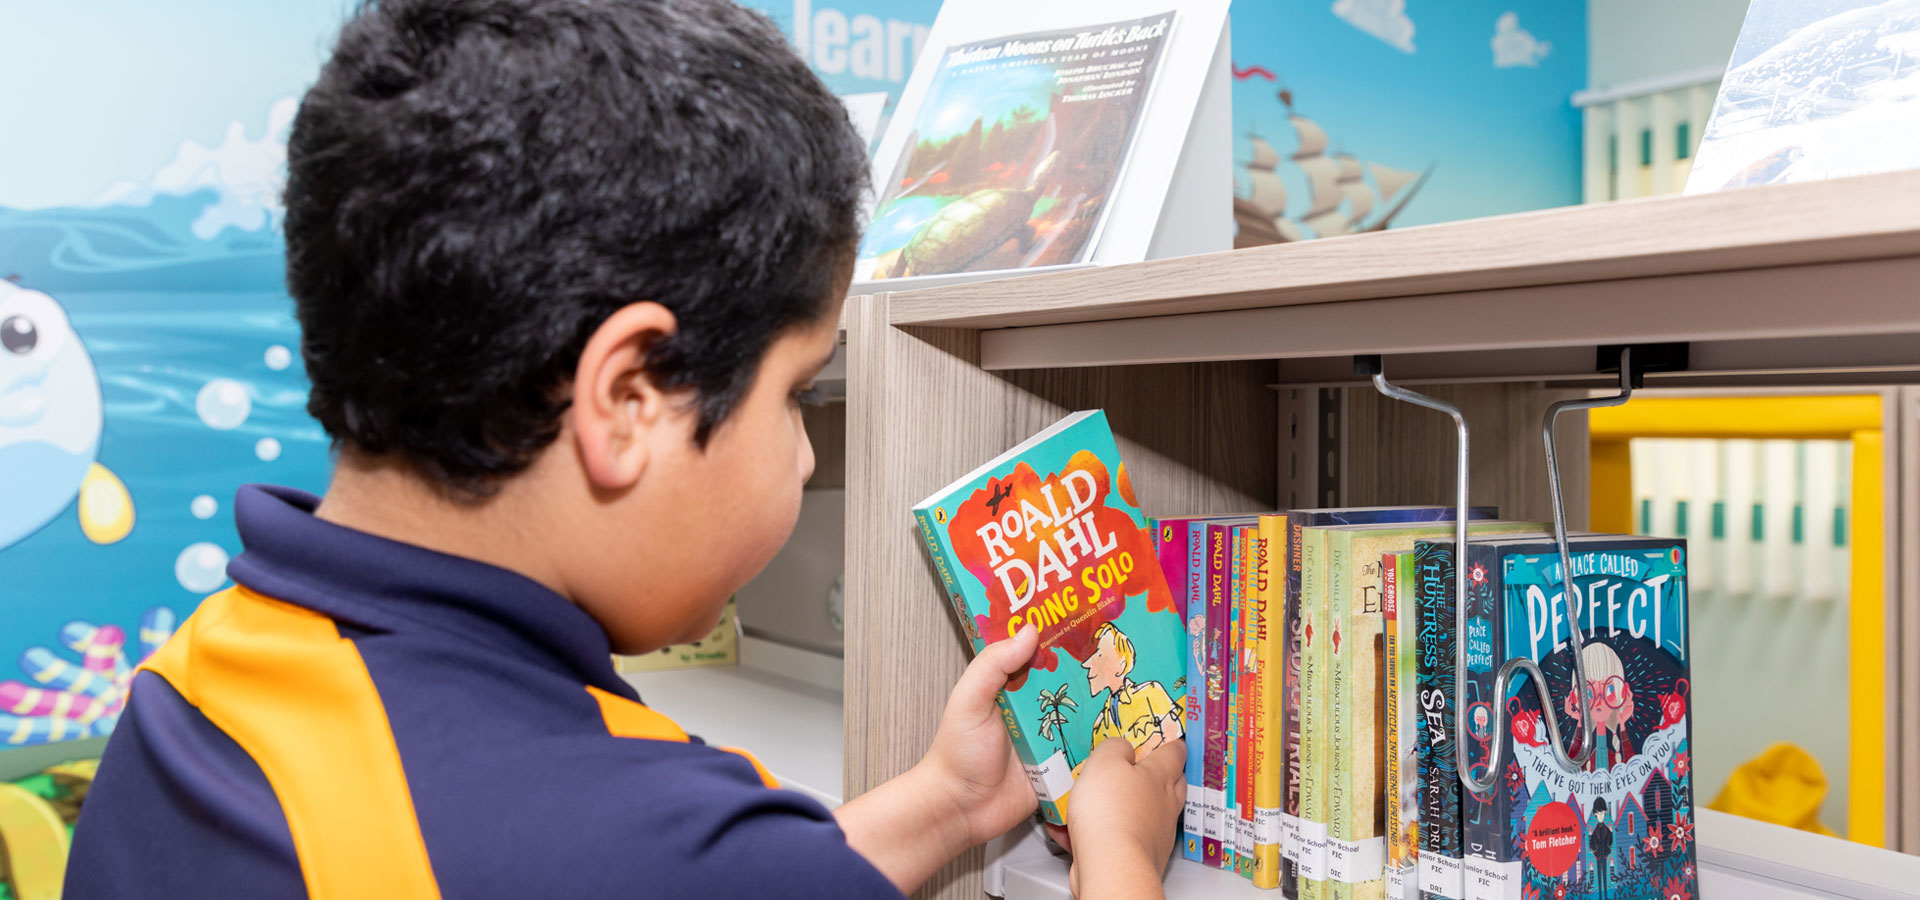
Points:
989	671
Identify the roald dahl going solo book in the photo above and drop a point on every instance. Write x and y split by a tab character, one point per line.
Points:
1049	534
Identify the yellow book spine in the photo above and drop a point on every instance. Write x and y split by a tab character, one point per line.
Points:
1269	770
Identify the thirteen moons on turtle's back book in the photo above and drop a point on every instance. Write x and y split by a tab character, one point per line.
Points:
1015	151
1048	534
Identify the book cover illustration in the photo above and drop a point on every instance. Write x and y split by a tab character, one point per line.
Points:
1813	91
1015	151
1292	631
1623	828
1048	534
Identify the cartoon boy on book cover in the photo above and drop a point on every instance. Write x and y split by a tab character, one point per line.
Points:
1145	713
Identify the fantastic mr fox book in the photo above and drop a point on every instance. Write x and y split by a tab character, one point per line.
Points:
1048	534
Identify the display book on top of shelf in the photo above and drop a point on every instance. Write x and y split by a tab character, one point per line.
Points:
1511	300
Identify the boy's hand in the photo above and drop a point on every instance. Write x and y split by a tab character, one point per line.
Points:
1121	816
971	763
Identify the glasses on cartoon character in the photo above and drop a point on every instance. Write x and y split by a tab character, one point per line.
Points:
1611	693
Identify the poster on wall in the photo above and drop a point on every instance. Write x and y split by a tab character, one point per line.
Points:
1352	116
1814	91
149	357
1015	150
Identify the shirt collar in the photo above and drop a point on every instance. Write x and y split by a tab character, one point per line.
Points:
373	583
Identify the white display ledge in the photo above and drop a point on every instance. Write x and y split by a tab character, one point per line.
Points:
782	705
1739	859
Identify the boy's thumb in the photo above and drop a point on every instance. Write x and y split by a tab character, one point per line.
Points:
1113	747
991	668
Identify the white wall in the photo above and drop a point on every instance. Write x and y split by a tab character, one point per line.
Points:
1629	40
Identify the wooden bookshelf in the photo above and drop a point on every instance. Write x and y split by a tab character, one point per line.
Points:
1801	284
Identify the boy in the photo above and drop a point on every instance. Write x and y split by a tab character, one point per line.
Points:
564	270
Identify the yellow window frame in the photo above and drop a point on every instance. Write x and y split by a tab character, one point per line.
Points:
1856	418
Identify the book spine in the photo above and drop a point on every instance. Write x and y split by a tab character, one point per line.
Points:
1290	634
1194	582
1339	731
1218	593
1356	849
1396	875
1248	681
1315	635
1483	825
1047	771
1396	570
1230	836
1440	866
1268	754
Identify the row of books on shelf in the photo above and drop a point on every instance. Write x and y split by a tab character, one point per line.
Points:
1308	658
1323	732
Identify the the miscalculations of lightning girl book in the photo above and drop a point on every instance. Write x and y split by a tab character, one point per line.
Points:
1049	534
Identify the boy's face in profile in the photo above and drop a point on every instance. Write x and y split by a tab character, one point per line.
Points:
1106	671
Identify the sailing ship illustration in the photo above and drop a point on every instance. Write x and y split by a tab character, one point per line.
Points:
1339	198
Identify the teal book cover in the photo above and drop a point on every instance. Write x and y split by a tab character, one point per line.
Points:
1049	534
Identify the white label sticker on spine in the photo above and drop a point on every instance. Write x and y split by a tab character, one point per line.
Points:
1290	836
1356	861
1441	875
1397	883
1313	850
1052	778
1266	826
1214	818
1192	824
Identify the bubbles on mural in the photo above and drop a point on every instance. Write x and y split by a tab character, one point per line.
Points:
201	568
267	449
223	404
203	507
279	357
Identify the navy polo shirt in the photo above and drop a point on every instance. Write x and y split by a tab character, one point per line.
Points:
364	718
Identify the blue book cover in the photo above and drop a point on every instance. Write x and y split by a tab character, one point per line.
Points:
1623	827
1049	534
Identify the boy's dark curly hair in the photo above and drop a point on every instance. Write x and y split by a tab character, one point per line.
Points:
474	186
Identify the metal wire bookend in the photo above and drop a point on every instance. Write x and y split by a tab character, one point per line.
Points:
1513	667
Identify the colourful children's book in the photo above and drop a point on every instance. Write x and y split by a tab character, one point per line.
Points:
1440	867
1230	838
1181	545
1625	826
1048	534
1291	634
1214	842
1401	718
1314	637
1269	750
1246	682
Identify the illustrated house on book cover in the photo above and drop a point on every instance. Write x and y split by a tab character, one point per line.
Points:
1048	534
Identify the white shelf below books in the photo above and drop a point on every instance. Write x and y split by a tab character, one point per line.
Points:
780	704
1739	859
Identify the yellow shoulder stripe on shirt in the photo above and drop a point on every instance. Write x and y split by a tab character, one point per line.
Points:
296	696
628	719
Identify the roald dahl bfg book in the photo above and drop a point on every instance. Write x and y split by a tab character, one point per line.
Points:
1048	534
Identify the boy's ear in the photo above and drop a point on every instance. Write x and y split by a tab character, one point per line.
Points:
616	405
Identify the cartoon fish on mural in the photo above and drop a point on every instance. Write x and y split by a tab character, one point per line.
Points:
50	418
